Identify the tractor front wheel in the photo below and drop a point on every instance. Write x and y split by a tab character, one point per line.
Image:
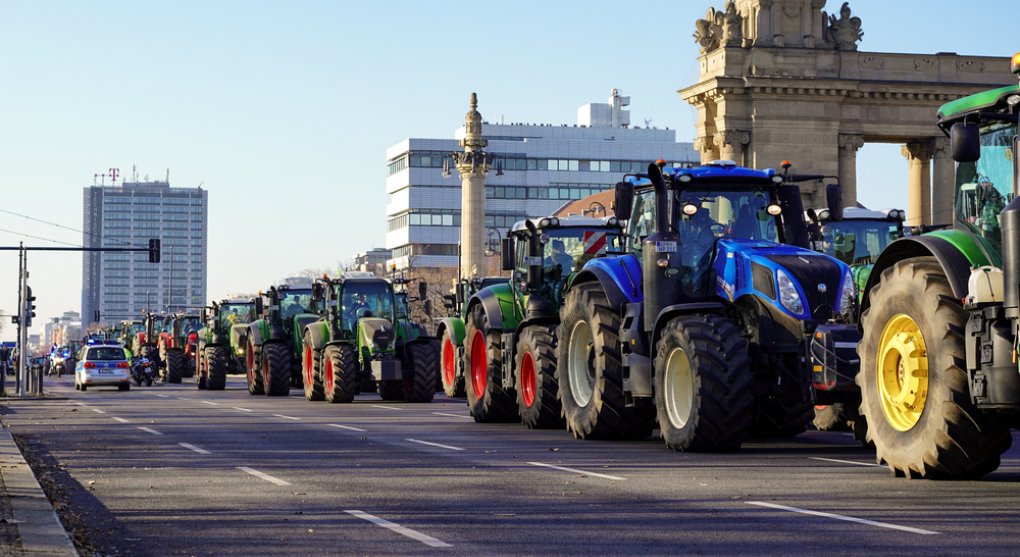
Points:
453	385
216	368
537	390
276	363
340	372
253	365
175	363
311	377
914	392
420	369
486	398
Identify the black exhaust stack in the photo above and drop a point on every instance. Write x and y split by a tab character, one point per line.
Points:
1009	220
660	265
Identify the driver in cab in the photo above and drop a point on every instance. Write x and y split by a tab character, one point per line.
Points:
559	262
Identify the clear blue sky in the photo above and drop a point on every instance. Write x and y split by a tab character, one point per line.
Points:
283	110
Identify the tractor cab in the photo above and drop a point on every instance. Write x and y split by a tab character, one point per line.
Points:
857	238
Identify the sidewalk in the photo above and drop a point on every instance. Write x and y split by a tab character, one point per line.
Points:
28	524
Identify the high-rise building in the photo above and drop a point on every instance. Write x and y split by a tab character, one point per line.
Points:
122	285
536	168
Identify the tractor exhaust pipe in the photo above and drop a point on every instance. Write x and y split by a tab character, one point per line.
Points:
660	254
1009	220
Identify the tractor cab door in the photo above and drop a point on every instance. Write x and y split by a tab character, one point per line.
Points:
642	220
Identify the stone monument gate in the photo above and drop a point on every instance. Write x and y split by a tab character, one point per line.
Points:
783	79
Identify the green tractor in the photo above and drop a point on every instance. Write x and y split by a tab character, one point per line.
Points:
273	354
221	343
855	236
126	332
450	331
510	328
939	379
360	332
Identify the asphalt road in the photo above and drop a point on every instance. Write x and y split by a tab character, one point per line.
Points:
171	470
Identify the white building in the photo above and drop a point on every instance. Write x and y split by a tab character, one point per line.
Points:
536	169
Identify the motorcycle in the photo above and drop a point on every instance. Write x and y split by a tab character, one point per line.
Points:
142	370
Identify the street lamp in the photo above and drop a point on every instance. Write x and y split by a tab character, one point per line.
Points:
492	238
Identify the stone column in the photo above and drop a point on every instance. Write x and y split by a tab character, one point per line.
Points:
943	182
705	147
763	18
473	164
848	146
918	154
730	144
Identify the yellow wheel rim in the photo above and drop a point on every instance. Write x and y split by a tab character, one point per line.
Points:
902	372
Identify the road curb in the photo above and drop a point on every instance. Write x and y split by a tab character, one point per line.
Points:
38	526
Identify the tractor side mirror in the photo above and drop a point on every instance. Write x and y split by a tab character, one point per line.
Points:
965	142
834	200
258	305
428	307
459	294
423	290
506	251
624	201
317	290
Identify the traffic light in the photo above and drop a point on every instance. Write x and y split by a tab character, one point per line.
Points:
29	306
154	250
97	316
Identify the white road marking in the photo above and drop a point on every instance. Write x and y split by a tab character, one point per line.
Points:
845	461
209	403
352	428
440	445
402	530
262	475
184	398
844	518
286	417
163	396
121	420
576	471
241	409
383	406
189	446
452	415
81	404
150	430
97	411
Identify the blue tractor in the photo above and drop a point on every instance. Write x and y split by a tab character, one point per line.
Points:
703	326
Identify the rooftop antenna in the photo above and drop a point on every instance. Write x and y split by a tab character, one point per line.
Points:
648	123
168	176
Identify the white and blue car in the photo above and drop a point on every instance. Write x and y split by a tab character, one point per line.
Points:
103	365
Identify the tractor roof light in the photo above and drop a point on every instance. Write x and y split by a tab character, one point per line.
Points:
554	221
896	214
777	179
823	214
1014	64
613	221
774	210
544	222
685	178
690	209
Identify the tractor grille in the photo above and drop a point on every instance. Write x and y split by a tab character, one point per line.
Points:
810	271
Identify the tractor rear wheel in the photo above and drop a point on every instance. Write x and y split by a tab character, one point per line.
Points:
311	377
487	400
538	400
216	366
452	384
276	363
703	384
590	372
174	365
914	392
253	365
420	367
340	372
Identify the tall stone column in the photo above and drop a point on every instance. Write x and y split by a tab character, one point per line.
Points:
472	164
730	144
918	154
943	182
848	146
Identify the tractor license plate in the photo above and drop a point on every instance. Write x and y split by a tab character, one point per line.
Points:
665	247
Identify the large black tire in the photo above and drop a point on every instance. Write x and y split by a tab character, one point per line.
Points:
831	417
216	365
453	385
486	398
311	376
592	391
276	363
951	438
340	372
253	367
174	365
420	368
200	368
703	384
538	400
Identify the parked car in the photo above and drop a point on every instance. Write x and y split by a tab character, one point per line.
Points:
103	365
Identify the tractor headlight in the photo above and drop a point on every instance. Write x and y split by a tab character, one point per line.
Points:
788	295
848	294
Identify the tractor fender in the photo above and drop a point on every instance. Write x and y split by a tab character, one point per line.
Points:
301	321
255	332
952	260
620	278
498	303
670	312
318	334
456	327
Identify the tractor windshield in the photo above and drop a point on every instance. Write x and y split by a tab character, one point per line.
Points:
231	314
366	299
568	249
728	214
984	187
293	302
190	324
135	328
858	241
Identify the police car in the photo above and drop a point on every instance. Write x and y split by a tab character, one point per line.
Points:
103	364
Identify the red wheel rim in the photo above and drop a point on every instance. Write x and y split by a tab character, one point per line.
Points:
329	376
448	367
251	366
479	364
308	367
529	379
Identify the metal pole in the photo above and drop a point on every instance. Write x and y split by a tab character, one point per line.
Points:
170	283
23	327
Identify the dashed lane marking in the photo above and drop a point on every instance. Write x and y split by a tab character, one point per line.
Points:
241	409
402	530
846	461
262	475
383	406
431	444
340	426
191	447
163	396
286	417
97	411
452	415
150	430
576	471
209	403
121	420
844	518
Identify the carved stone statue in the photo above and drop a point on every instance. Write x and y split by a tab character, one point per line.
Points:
844	32
719	28
732	28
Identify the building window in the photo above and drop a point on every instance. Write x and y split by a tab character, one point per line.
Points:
398	165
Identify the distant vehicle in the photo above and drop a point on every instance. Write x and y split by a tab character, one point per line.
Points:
103	365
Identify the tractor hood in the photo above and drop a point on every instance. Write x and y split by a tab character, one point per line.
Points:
376	333
801	283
